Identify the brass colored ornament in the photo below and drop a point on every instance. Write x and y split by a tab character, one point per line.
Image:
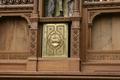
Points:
55	40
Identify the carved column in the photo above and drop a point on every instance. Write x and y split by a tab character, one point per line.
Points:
33	39
32	61
35	7
75	31
34	30
41	8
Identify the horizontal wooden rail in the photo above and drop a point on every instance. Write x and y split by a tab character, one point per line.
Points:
15	2
100	0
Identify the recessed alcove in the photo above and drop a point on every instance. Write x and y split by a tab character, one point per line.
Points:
14	34
103	54
106	32
14	43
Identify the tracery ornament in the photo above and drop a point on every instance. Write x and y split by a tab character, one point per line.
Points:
12	2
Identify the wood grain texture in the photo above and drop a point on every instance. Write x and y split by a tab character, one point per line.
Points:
116	32
105	33
14	35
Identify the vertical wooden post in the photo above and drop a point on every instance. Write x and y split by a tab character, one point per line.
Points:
41	8
75	31
35	6
81	7
76	12
32	62
34	29
33	39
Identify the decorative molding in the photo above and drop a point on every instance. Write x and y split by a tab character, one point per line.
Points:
101	4
20	6
55	19
102	56
14	2
14	55
16	8
97	8
92	13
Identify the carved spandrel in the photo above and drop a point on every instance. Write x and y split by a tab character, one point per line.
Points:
55	40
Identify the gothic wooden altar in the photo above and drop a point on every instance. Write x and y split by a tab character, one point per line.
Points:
60	39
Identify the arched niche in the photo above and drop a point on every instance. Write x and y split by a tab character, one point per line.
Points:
14	34
105	32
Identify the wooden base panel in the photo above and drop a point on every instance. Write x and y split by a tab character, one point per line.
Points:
12	65
32	64
104	68
58	64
